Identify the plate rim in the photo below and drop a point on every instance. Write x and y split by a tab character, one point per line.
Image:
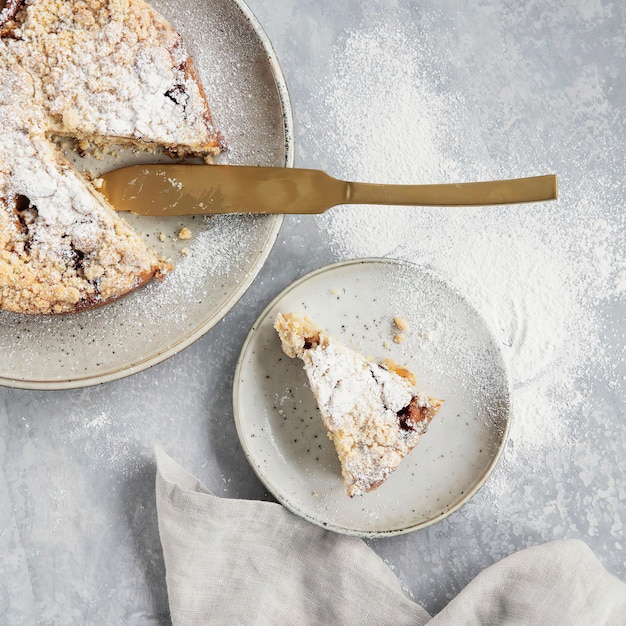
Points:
284	98
370	534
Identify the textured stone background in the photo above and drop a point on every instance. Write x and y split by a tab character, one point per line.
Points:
534	86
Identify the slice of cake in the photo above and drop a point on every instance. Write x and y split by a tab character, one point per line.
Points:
371	412
105	73
62	249
112	72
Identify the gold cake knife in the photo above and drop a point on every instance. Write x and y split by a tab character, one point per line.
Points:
182	189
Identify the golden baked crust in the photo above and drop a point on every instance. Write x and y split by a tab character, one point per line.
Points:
113	69
370	412
61	248
111	72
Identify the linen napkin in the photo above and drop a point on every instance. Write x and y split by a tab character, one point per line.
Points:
246	562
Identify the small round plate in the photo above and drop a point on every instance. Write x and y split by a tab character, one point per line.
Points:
447	346
249	101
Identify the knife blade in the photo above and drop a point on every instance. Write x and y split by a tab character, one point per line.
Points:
183	189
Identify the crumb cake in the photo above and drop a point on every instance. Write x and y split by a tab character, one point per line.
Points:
104	73
370	411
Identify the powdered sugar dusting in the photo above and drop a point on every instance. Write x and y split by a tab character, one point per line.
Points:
447	347
361	403
106	448
241	91
224	252
535	272
117	70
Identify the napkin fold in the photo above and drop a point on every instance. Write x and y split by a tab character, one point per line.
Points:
247	562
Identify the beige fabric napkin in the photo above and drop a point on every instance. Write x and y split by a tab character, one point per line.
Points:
247	562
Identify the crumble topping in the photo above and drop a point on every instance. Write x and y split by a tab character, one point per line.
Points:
113	69
101	72
370	411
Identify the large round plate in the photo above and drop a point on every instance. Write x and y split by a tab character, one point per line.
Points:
448	347
250	105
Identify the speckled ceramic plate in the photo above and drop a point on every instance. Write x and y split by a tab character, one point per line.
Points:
448	347
250	105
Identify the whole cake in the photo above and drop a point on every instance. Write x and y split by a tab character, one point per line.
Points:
104	73
370	411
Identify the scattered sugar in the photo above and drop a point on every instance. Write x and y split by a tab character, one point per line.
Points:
536	273
244	103
105	447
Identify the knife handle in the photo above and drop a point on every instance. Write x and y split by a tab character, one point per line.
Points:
532	189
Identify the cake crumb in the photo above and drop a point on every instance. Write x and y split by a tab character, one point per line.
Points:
334	291
399	338
98	182
400	370
185	251
161	236
184	233
401	323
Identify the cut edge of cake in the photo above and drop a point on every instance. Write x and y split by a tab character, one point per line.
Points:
76	87
370	410
50	264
